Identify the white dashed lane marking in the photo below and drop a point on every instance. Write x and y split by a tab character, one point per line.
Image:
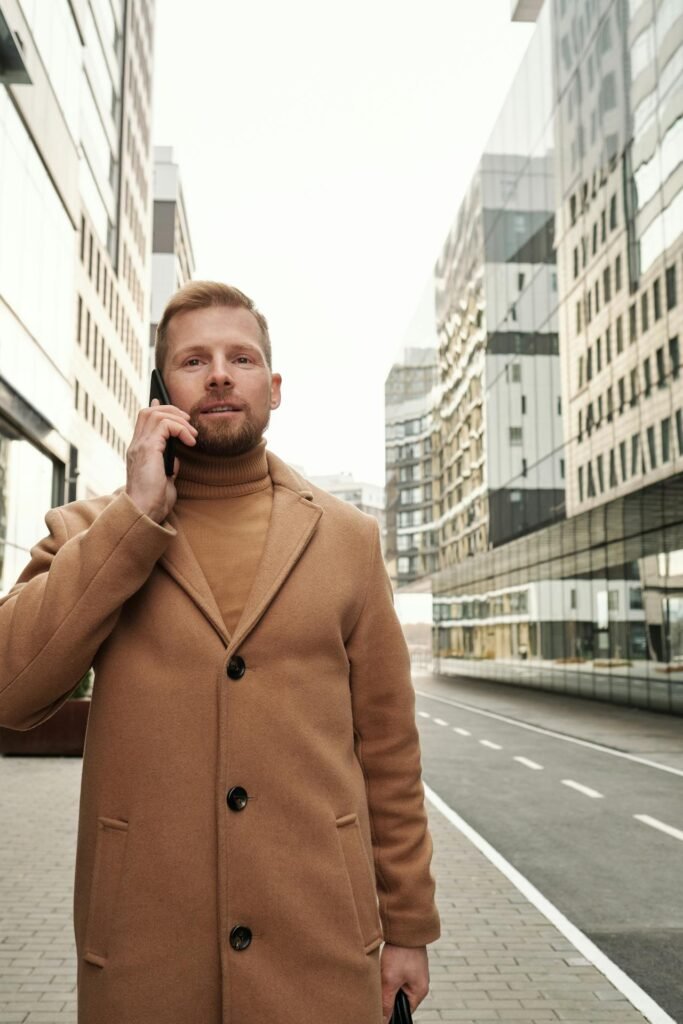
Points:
528	763
586	790
440	721
669	830
461	732
490	745
424	714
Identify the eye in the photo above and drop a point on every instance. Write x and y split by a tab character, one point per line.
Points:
245	358
192	359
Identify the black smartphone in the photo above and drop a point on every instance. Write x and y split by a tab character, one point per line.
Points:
157	389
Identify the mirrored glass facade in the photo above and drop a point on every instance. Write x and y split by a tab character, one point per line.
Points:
559	311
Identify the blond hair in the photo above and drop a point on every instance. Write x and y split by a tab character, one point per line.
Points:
201	295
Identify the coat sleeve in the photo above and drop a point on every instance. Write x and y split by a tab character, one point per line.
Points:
66	602
387	746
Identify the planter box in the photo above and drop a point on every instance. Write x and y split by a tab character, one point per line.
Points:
62	735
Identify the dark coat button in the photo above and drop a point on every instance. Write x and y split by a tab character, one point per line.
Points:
237	798
236	667
240	936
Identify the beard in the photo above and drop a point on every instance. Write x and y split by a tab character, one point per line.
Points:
227	437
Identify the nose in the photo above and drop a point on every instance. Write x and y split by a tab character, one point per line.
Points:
220	375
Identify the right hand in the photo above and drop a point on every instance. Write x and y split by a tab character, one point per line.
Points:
146	482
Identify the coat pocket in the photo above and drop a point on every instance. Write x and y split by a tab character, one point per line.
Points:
362	880
110	847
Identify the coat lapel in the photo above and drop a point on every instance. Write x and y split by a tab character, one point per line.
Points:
179	562
293	519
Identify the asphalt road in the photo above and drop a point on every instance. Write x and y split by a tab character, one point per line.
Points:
596	830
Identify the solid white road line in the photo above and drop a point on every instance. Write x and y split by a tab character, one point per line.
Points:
661	825
586	790
492	746
424	714
440	721
621	981
461	732
551	732
529	763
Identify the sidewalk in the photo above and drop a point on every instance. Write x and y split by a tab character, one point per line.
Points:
498	959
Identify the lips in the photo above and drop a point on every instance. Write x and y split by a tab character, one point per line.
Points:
220	407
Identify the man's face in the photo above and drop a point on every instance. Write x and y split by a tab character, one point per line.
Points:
215	359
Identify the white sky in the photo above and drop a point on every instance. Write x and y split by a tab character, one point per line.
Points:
324	148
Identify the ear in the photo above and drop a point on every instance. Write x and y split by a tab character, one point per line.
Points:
275	385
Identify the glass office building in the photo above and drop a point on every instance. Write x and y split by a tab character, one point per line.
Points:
589	149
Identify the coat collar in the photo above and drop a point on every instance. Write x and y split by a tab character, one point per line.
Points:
293	520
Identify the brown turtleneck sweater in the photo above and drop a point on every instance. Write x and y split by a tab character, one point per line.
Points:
224	506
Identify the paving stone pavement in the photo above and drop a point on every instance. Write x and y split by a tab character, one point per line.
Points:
498	959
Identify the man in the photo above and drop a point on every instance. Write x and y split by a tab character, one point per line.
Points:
251	821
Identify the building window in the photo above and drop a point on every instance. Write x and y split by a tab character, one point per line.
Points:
591	481
622	459
598	355
580	372
666	438
562	469
77	394
652	447
608	344
632	323
589	307
661	367
515	435
679	430
617	274
613	212
675	357
589	363
599	410
607	284
657	299
597	296
635	453
647	377
610	405
603	226
612	469
671	297
580	483
601	476
595	238
523	405
620	335
634	386
516	373
644	313
622	393
576	262
580	434
404	565
572	209
578	318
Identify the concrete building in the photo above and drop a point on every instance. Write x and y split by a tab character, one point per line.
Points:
619	118
411	447
172	256
75	217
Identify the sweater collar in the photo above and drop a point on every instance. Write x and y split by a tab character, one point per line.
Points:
213	476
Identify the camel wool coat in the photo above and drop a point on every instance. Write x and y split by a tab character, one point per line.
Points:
251	820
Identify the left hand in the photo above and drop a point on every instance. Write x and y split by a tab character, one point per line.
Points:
407	968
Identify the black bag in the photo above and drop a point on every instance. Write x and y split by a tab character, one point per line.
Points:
401	1014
